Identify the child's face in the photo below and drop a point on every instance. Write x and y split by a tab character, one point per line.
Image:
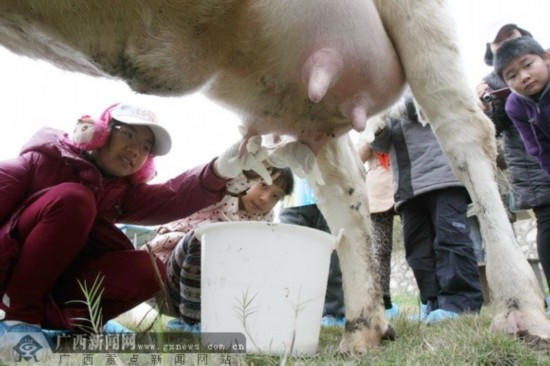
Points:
527	74
261	198
127	150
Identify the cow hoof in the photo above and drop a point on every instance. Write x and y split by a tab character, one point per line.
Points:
531	326
390	334
359	337
536	343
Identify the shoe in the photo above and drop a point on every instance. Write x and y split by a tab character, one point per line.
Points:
392	312
440	315
422	315
179	326
333	321
114	327
53	334
23	341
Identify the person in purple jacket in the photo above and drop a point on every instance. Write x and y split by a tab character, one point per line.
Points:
523	64
60	201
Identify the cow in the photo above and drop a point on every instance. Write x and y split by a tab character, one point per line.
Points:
313	70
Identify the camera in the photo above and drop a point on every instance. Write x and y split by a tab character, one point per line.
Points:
487	97
491	95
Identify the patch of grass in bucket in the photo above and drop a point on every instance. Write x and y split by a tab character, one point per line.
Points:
243	311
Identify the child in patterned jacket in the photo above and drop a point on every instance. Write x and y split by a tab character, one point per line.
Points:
176	245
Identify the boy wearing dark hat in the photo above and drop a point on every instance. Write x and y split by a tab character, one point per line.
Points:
523	65
528	182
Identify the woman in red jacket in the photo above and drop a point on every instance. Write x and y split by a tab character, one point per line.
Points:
59	206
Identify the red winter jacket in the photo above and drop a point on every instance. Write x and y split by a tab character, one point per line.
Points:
47	160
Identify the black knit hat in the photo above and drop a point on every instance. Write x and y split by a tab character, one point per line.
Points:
513	48
488	58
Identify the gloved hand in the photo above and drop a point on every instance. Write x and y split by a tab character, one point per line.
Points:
374	126
299	158
238	158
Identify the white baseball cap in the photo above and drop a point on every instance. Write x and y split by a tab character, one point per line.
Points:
133	115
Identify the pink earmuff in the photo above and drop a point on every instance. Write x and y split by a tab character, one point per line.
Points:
91	134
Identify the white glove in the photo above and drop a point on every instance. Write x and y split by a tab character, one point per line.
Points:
374	126
232	162
299	158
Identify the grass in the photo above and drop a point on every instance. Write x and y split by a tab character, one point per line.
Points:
92	300
465	341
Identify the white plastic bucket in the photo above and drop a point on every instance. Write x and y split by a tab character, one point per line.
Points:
267	281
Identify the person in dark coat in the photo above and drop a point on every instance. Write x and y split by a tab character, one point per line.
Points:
432	204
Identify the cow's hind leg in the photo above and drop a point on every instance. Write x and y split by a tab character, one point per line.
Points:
343	202
424	36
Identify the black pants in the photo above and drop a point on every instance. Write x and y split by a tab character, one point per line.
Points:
542	213
440	251
310	216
